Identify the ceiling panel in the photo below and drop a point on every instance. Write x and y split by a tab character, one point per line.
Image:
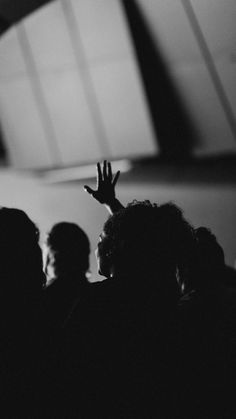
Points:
171	31
122	106
11	64
84	82
71	118
217	20
49	39
175	37
202	102
103	29
27	140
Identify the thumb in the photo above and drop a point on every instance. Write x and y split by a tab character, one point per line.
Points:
89	190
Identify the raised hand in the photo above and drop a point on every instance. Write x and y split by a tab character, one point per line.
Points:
105	192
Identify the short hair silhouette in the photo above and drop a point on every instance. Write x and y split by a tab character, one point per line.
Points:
71	248
21	266
211	251
210	260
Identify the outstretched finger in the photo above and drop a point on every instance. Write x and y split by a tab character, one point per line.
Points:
99	174
116	177
89	190
109	171
104	170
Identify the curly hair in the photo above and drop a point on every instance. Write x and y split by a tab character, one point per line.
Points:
149	236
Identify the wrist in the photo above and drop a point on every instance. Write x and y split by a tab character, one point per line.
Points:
114	205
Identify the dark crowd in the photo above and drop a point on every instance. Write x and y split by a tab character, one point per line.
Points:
155	338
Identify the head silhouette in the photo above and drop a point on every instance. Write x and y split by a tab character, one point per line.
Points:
209	263
144	239
210	250
21	268
67	251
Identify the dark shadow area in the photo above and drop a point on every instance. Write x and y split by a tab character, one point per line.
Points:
175	133
4	25
219	169
214	170
12	11
208	170
3	151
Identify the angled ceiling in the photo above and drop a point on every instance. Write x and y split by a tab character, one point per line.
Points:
197	40
70	88
189	66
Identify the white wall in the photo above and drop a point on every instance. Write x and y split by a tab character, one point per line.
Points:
209	205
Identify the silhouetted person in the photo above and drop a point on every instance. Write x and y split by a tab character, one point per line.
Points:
208	273
209	327
21	315
141	249
212	257
205	341
21	269
208	262
133	313
67	252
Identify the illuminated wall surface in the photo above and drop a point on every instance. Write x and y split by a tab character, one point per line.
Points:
70	90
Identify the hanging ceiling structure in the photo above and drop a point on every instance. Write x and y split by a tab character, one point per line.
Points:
83	80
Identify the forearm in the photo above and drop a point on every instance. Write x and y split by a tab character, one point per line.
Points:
114	206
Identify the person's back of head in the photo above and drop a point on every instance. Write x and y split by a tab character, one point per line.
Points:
67	251
21	267
146	240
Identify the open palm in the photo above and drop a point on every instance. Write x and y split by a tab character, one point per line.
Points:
105	192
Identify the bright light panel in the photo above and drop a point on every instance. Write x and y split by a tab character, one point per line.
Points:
82	99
